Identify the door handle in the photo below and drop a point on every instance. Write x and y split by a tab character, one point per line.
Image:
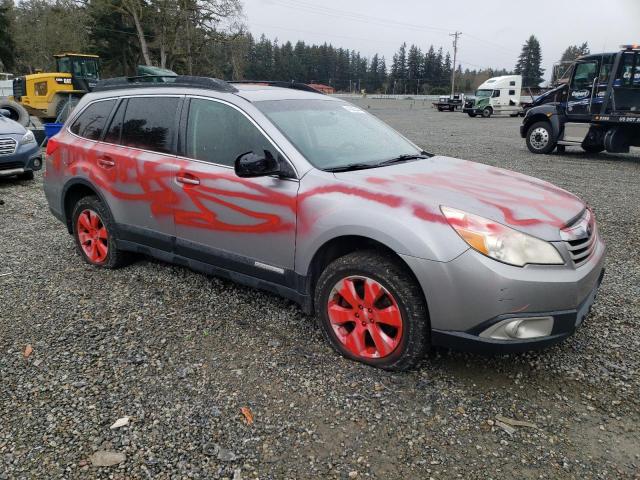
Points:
106	162
188	179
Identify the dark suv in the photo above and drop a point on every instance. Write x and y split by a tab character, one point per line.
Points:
311	197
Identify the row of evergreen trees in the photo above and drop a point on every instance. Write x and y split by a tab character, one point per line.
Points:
347	70
33	30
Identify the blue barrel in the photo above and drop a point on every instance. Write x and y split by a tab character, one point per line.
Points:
50	129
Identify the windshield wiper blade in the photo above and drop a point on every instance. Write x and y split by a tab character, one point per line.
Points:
403	158
350	166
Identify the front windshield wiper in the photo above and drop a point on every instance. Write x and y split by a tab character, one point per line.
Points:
403	158
350	166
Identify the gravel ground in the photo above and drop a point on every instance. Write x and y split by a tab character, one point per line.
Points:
181	354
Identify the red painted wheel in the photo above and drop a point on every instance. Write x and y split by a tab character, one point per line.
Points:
93	236
365	317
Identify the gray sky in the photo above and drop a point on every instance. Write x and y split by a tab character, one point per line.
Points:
493	32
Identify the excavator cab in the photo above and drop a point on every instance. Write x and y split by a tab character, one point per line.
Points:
84	69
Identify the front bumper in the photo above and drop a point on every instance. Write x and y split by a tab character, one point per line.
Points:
565	324
477	111
26	159
471	293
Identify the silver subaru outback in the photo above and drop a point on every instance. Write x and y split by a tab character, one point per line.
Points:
394	249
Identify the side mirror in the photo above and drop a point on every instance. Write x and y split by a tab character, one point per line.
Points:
5	113
251	164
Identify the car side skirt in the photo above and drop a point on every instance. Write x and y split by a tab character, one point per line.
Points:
201	258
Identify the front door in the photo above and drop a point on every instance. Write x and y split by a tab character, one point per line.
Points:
240	224
582	90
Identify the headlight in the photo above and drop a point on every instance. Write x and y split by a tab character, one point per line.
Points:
28	138
500	242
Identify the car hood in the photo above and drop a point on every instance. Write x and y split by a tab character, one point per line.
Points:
524	203
8	126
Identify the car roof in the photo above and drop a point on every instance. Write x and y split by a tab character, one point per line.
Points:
248	91
258	92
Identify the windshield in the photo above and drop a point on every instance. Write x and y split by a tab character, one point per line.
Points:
79	67
483	93
332	134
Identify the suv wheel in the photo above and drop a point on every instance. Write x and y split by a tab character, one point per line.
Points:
540	138
372	311
93	232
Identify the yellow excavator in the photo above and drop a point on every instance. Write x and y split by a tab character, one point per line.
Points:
45	95
52	95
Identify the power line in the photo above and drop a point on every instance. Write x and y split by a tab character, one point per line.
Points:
348	15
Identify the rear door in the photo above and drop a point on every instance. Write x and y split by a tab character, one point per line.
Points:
242	224
137	165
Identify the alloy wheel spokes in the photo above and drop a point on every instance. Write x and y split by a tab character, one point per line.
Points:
365	317
93	236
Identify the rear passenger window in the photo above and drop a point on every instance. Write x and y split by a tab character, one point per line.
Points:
92	120
218	133
149	123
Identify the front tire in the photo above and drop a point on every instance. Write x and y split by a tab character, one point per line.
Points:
486	113
371	310
540	138
93	231
472	115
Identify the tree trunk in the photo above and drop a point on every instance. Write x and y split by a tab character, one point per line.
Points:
188	44
143	41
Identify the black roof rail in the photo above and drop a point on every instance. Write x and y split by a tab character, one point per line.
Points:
149	81
279	83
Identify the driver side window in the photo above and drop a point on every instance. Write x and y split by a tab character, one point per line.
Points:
218	133
584	75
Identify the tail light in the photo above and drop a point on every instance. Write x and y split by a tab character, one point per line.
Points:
52	145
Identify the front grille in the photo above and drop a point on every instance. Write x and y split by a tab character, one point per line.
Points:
7	146
580	238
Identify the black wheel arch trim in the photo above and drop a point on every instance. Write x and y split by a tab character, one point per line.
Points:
63	198
547	113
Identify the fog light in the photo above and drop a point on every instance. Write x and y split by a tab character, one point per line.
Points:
36	163
520	328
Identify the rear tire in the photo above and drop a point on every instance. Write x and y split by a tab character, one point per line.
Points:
18	112
94	234
540	138
593	148
352	324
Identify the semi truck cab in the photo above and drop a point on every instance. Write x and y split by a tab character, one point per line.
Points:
498	95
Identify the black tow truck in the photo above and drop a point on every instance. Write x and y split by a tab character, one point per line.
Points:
596	108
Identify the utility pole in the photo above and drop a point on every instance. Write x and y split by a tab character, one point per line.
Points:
455	54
